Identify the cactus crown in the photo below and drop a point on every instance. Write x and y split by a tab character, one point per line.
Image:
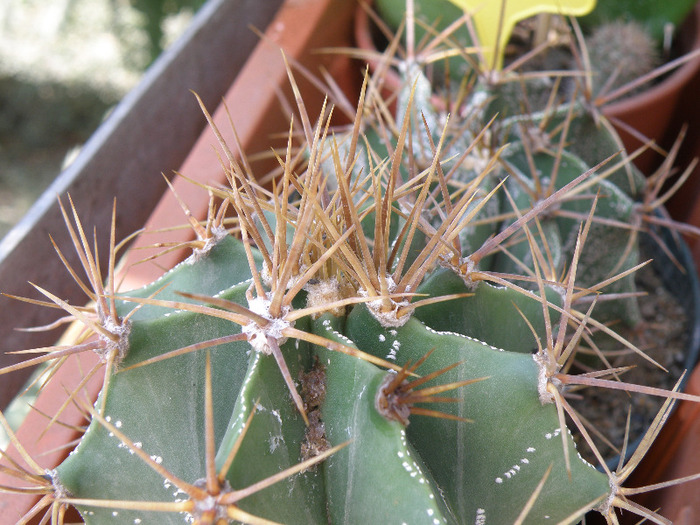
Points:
387	334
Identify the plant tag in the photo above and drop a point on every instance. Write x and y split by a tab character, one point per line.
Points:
494	20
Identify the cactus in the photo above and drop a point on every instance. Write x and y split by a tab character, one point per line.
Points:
385	336
620	52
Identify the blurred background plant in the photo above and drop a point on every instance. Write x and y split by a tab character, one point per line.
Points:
63	65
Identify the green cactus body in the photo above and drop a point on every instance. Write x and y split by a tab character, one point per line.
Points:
379	467
171	429
386	473
476	474
480	316
272	442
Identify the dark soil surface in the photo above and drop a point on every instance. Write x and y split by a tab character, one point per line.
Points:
663	336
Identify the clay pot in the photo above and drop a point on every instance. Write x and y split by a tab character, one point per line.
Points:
674	455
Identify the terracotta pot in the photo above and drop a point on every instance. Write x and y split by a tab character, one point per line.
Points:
675	455
300	27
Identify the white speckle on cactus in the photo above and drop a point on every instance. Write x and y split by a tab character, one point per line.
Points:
480	517
118	424
394	348
157	459
108	419
276	413
137	521
510	473
275	442
462	336
179	492
550	435
382	338
341	337
115	513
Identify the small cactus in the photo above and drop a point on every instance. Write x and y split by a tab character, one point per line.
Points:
386	336
620	52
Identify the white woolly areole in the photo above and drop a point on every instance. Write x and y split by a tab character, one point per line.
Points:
608	504
266	276
464	269
543	380
209	504
388	319
258	335
59	491
218	233
478	160
323	293
119	347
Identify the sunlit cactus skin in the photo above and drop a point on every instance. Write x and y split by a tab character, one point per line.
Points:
386	336
382	467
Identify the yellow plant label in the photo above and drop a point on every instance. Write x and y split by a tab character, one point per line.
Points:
494	20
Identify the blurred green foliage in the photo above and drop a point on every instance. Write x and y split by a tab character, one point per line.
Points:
155	13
